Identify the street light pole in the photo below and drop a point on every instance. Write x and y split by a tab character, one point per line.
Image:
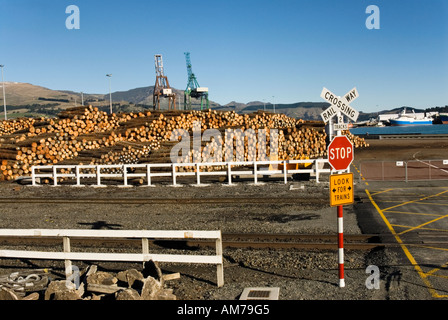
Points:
4	96
110	92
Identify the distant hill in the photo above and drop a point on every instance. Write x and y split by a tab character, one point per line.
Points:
18	93
302	110
24	99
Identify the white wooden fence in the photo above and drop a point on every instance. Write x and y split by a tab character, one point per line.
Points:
67	255
147	171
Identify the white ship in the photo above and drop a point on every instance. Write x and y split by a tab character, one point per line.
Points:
409	119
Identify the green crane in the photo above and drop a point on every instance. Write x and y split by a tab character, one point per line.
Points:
193	89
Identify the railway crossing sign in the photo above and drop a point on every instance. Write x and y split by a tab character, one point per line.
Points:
341	189
340	153
341	104
340	126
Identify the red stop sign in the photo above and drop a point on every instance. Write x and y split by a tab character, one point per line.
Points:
340	153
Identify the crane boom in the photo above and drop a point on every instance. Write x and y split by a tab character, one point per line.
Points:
162	87
193	89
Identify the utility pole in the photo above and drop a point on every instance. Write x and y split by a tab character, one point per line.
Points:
4	96
110	92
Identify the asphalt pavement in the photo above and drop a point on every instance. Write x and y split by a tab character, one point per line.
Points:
414	216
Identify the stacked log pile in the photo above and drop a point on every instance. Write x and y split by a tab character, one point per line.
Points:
85	135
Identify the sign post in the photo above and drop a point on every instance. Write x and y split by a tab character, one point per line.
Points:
340	156
341	193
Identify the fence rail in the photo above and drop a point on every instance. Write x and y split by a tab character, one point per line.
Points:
67	255
125	172
411	170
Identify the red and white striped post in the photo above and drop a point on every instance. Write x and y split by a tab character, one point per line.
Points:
341	246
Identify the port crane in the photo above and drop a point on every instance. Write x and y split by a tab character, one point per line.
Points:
162	87
193	89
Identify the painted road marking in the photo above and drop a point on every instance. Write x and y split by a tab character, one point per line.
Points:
418	199
435	272
423	224
409	227
379	192
417	213
415	201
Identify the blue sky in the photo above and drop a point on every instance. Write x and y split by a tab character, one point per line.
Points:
280	51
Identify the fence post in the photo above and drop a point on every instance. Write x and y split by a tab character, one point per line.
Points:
68	263
148	174
219	267
174	174
55	175
429	168
255	173
229	173
98	176
284	172
125	175
198	179
406	171
145	248
33	176
78	178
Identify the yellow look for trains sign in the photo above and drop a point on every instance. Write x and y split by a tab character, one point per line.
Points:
341	189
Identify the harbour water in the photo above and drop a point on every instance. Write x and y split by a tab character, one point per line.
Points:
424	129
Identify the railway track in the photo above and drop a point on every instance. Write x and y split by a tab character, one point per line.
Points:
249	200
230	240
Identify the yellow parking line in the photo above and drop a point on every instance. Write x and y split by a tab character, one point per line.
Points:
417	213
438	276
433	271
433	203
419	270
409	227
423	224
416	200
378	192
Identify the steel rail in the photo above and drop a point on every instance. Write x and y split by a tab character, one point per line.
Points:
252	200
230	240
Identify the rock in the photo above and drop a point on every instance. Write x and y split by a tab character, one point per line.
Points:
130	276
97	296
66	295
32	296
152	269
127	294
166	294
151	288
101	277
7	294
61	290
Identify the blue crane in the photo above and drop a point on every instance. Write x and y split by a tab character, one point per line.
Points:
193	89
